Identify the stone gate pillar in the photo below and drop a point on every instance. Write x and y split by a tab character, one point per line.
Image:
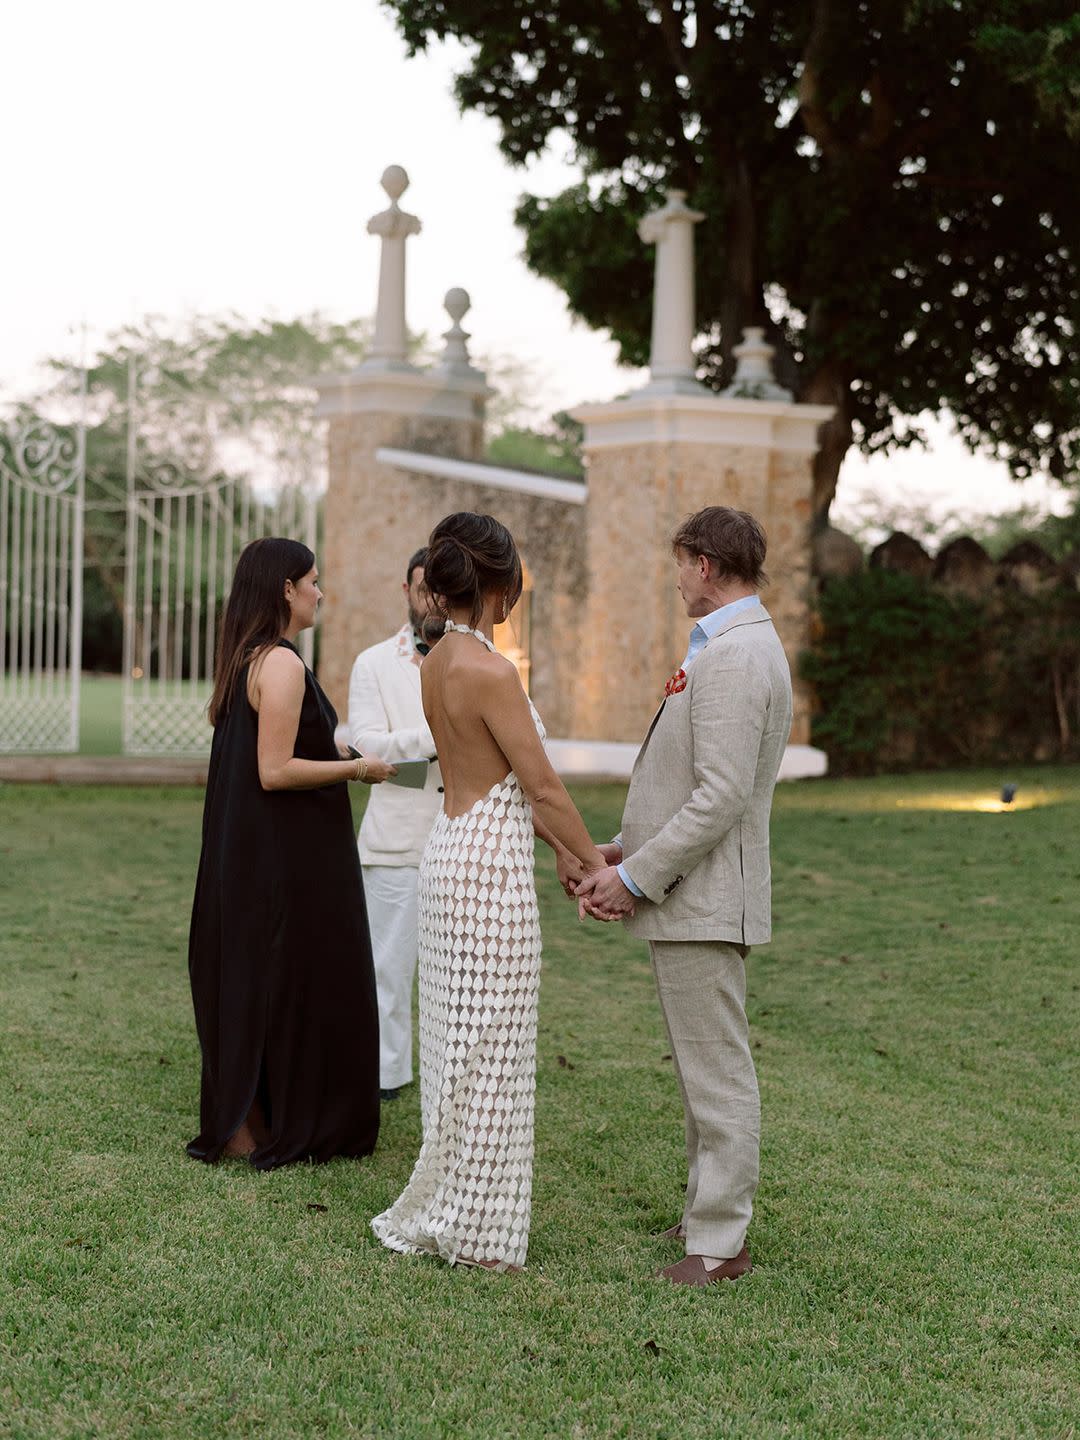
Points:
653	458
374	521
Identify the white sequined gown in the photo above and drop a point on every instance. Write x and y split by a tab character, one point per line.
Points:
469	1196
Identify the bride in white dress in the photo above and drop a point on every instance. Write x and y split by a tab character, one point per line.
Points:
469	1196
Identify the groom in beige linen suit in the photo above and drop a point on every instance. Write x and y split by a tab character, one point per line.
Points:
690	871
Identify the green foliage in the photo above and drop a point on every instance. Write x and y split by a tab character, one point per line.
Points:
886	641
219	395
876	516
907	676
1047	57
914	1028
556	449
1059	535
103	623
891	186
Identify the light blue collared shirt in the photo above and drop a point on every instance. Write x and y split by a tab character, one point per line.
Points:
700	635
709	625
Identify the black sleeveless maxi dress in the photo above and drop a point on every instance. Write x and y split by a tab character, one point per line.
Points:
279	953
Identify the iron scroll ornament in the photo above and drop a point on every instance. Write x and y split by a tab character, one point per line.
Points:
42	456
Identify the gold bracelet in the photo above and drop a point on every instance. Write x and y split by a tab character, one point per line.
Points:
361	768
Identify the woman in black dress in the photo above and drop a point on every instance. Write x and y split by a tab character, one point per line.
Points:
279	955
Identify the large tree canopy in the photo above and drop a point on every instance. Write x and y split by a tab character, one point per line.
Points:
890	186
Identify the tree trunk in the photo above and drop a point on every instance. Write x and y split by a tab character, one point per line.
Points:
829	386
742	303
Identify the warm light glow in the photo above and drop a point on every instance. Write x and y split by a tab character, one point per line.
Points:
137	673
983	804
512	638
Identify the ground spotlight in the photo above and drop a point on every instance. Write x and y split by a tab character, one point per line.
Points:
1008	794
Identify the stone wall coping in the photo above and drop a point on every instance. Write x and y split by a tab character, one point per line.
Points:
614	760
704	419
447	467
402	390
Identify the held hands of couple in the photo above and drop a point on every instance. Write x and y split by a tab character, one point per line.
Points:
580	882
602	895
569	871
600	892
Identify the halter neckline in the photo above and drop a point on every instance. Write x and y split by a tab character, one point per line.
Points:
468	630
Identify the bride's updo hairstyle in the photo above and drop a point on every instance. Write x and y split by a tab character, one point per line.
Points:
469	556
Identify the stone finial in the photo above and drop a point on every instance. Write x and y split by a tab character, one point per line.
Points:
671	358
904	553
835	556
1026	566
963	567
754	378
393	226
395	181
455	356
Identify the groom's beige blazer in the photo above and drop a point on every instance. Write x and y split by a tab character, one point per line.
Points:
695	831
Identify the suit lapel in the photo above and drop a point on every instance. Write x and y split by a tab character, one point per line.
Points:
752	615
652	727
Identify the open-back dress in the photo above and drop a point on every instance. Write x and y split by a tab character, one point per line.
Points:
469	1197
279	954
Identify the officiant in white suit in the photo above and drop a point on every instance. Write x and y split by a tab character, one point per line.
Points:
386	719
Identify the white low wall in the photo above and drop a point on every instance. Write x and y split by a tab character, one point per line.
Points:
613	760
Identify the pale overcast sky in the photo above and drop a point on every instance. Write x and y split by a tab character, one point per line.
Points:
225	155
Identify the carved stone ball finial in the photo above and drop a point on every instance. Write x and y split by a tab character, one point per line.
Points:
455	357
393	226
392	223
395	182
456	303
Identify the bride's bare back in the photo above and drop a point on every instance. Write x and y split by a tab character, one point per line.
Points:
483	727
465	687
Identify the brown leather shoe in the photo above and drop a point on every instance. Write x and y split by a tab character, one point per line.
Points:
673	1232
693	1270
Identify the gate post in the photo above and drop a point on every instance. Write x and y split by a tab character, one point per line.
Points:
375	515
660	454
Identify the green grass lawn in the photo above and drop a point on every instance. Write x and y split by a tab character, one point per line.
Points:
100	714
915	1245
101	700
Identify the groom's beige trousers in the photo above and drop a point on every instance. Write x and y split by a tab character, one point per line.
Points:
702	987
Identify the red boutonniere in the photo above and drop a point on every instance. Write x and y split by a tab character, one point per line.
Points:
676	683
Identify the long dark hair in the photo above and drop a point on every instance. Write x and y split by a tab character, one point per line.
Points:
468	556
257	614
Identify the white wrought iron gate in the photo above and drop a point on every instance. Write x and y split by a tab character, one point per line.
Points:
184	534
42	492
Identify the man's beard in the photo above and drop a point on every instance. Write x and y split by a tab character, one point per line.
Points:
432	630
416	620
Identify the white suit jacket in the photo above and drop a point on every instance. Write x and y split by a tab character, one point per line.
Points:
695	829
386	719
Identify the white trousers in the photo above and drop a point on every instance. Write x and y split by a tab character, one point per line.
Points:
391	904
702	987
